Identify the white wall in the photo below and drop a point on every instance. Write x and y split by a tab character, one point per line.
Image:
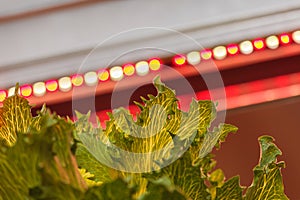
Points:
55	44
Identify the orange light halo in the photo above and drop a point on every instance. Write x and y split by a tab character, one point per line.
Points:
206	54
51	85
179	60
232	49
259	44
77	80
128	69
26	90
103	75
155	64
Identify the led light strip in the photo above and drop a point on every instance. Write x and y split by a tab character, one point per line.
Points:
142	68
245	47
91	78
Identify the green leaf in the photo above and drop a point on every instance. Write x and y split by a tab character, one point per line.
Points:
269	151
55	190
207	113
184	176
38	159
89	178
267	182
231	189
88	162
15	116
214	138
162	189
217	177
161	134
115	190
92	149
163	154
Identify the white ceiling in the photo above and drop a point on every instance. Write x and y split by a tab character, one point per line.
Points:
12	7
56	44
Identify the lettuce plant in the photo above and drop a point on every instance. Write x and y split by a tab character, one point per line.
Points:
50	157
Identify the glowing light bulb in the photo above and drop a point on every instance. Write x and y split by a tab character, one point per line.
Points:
11	91
206	54
77	80
193	58
91	78
246	47
219	52
296	37
39	89
116	73
232	49
259	44
142	68
3	95
179	60
272	42
26	90
155	64
65	84
285	39
103	75
128	69
51	85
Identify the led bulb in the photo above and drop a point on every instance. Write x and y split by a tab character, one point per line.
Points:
296	37
39	89
91	78
285	39
11	91
103	75
258	44
65	84
232	49
26	90
128	69
193	58
272	42
155	64
142	68
51	85
246	47
3	95
206	54
116	73
179	60
220	52
77	80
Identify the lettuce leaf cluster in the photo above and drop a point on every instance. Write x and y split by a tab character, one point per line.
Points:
51	157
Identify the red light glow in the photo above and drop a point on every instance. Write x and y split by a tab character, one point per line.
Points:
179	60
206	54
285	39
155	64
245	94
51	85
128	69
259	44
232	49
26	90
3	95
103	75
77	80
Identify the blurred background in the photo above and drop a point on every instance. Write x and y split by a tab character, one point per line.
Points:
101	54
